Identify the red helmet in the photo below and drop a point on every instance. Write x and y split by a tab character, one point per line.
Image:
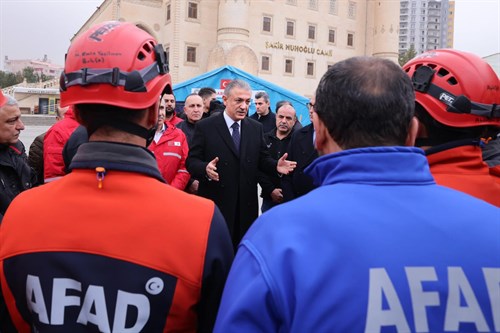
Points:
114	63
3	99
458	89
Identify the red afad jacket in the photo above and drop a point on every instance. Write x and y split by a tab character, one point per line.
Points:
53	144
462	168
171	152
108	264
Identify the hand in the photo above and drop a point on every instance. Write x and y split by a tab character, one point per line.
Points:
284	166
277	195
211	170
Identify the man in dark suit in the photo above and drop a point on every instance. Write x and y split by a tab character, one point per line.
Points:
226	153
300	149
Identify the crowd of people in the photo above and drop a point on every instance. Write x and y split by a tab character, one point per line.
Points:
127	216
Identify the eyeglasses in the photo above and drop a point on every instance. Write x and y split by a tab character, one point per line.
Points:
310	105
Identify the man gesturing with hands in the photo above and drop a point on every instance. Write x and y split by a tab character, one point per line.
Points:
226	152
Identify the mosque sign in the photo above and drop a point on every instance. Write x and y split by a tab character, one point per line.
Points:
298	48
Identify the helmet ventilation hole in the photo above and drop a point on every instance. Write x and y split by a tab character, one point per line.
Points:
147	47
452	81
442	72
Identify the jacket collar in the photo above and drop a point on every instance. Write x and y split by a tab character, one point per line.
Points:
372	165
116	156
459	159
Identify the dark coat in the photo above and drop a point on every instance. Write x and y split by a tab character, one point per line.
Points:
15	174
268	121
188	129
78	137
276	149
236	191
35	157
300	150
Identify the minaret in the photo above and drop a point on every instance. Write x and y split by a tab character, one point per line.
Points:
232	37
385	29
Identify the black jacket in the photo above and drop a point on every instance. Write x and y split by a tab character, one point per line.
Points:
301	150
35	157
236	191
276	147
15	174
268	121
188	129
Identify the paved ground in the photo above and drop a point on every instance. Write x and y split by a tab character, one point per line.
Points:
30	133
34	126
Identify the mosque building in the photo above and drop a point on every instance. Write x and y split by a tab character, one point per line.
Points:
290	43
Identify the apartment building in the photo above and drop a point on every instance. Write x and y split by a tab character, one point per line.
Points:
426	24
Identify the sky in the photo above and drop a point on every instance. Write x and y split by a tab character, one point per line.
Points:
30	29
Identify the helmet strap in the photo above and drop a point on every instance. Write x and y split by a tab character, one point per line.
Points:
422	82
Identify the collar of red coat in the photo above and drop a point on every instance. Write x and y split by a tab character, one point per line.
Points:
465	158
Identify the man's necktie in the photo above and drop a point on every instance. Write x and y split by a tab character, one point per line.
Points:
236	135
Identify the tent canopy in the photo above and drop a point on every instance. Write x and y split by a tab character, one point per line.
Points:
218	78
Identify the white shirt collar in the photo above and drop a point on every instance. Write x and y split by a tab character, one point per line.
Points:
230	122
159	134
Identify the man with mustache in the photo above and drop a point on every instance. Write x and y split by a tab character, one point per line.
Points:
277	141
168	104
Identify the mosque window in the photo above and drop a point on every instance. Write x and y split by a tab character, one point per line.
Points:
266	24
191	54
332	7
290	28
310	69
331	36
192	10
265	65
350	39
289	66
313	4
311	34
352	10
168	13
291	2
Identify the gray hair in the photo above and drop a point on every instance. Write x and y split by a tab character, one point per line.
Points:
236	83
10	100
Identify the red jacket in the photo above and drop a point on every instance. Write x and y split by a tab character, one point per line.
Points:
171	152
175	120
495	172
463	169
53	144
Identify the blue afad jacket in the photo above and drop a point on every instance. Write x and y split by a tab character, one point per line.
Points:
378	247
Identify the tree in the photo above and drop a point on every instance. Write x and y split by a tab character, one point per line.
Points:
407	56
29	75
9	79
